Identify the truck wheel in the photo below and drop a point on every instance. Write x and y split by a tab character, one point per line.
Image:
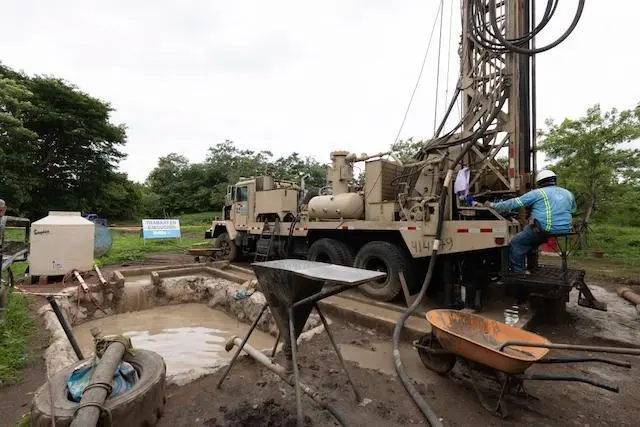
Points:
330	251
141	406
388	258
228	248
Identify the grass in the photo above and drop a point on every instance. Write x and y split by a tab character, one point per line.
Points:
129	245
24	421
14	335
620	244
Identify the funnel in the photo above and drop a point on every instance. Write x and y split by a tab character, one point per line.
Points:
296	285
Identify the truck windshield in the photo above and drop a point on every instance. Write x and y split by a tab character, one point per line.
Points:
242	194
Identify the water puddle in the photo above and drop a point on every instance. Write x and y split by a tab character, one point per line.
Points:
379	356
190	337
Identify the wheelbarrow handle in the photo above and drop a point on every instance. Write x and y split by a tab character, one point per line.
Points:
595	349
620	363
545	377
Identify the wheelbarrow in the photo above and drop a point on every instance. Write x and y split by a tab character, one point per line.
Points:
503	351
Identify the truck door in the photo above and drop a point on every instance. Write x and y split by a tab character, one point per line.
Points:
241	206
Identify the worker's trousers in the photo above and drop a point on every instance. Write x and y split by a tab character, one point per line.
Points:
523	243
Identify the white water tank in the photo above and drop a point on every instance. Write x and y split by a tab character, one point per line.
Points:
60	243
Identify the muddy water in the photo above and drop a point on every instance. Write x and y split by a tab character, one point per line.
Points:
379	356
190	337
138	294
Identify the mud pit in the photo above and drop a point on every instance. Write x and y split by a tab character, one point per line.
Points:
190	337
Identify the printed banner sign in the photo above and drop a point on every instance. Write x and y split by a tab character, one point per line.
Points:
161	229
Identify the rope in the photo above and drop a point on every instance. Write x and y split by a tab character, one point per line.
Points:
446	93
103	342
106	386
435	109
51	402
424	61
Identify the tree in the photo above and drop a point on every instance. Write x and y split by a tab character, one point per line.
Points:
122	198
59	149
406	149
235	163
590	158
293	168
175	186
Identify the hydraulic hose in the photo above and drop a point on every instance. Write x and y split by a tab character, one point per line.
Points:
517	49
424	407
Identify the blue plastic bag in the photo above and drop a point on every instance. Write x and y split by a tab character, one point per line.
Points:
124	378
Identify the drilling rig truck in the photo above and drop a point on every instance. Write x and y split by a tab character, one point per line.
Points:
389	223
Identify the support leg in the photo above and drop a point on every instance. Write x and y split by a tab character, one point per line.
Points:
337	350
296	374
275	345
239	349
335	347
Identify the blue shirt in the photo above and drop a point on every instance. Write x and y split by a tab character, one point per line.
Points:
552	206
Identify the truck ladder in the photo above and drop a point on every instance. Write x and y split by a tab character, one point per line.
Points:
263	251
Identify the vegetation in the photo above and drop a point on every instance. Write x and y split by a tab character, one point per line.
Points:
176	186
58	149
129	245
14	335
592	161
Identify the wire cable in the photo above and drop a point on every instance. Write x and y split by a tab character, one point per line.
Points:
424	61
435	109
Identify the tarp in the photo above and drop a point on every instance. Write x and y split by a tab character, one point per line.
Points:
124	378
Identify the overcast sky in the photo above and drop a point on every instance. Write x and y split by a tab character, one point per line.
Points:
291	75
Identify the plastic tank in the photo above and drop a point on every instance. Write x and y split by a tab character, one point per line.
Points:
345	205
60	243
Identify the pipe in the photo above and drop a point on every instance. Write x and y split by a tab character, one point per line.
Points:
629	295
279	370
65	326
94	395
424	407
302	180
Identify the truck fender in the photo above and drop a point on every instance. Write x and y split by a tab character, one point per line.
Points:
219	227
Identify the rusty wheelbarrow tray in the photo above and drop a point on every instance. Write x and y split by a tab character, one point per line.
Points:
483	344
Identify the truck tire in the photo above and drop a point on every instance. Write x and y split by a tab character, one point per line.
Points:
331	251
386	257
229	248
141	406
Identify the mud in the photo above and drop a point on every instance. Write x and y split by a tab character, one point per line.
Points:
190	337
251	389
268	413
619	325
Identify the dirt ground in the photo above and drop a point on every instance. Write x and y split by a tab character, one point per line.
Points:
253	396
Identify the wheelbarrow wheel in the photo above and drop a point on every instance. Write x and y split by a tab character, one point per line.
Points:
440	363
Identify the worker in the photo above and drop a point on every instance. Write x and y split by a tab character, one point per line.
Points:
552	209
3	208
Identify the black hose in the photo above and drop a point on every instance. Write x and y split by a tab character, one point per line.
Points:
424	407
65	326
517	49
